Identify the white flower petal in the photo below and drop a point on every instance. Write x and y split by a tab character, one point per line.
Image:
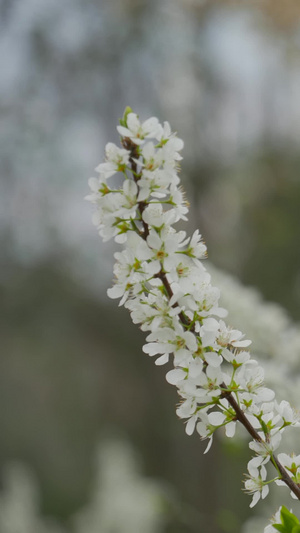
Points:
213	359
255	499
216	418
173	376
190	426
162	360
208	447
230	429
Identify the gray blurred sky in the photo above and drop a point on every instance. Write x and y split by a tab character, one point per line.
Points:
224	81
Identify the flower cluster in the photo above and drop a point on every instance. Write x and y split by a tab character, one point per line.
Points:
161	280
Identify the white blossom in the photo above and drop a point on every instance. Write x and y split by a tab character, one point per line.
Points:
116	161
255	484
167	341
138	131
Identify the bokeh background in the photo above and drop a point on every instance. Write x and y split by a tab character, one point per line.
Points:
226	75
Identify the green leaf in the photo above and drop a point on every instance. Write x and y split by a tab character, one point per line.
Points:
123	120
281	528
289	522
288	519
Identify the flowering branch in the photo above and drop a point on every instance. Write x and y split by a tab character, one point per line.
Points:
161	279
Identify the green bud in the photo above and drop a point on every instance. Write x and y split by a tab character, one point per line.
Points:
264	427
123	120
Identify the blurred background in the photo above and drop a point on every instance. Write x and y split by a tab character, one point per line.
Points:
83	412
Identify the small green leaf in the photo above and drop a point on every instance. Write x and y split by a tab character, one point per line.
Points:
264	427
123	120
296	529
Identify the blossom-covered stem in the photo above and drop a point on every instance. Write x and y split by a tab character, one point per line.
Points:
240	416
161	280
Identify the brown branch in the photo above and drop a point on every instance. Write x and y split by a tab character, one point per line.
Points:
240	415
